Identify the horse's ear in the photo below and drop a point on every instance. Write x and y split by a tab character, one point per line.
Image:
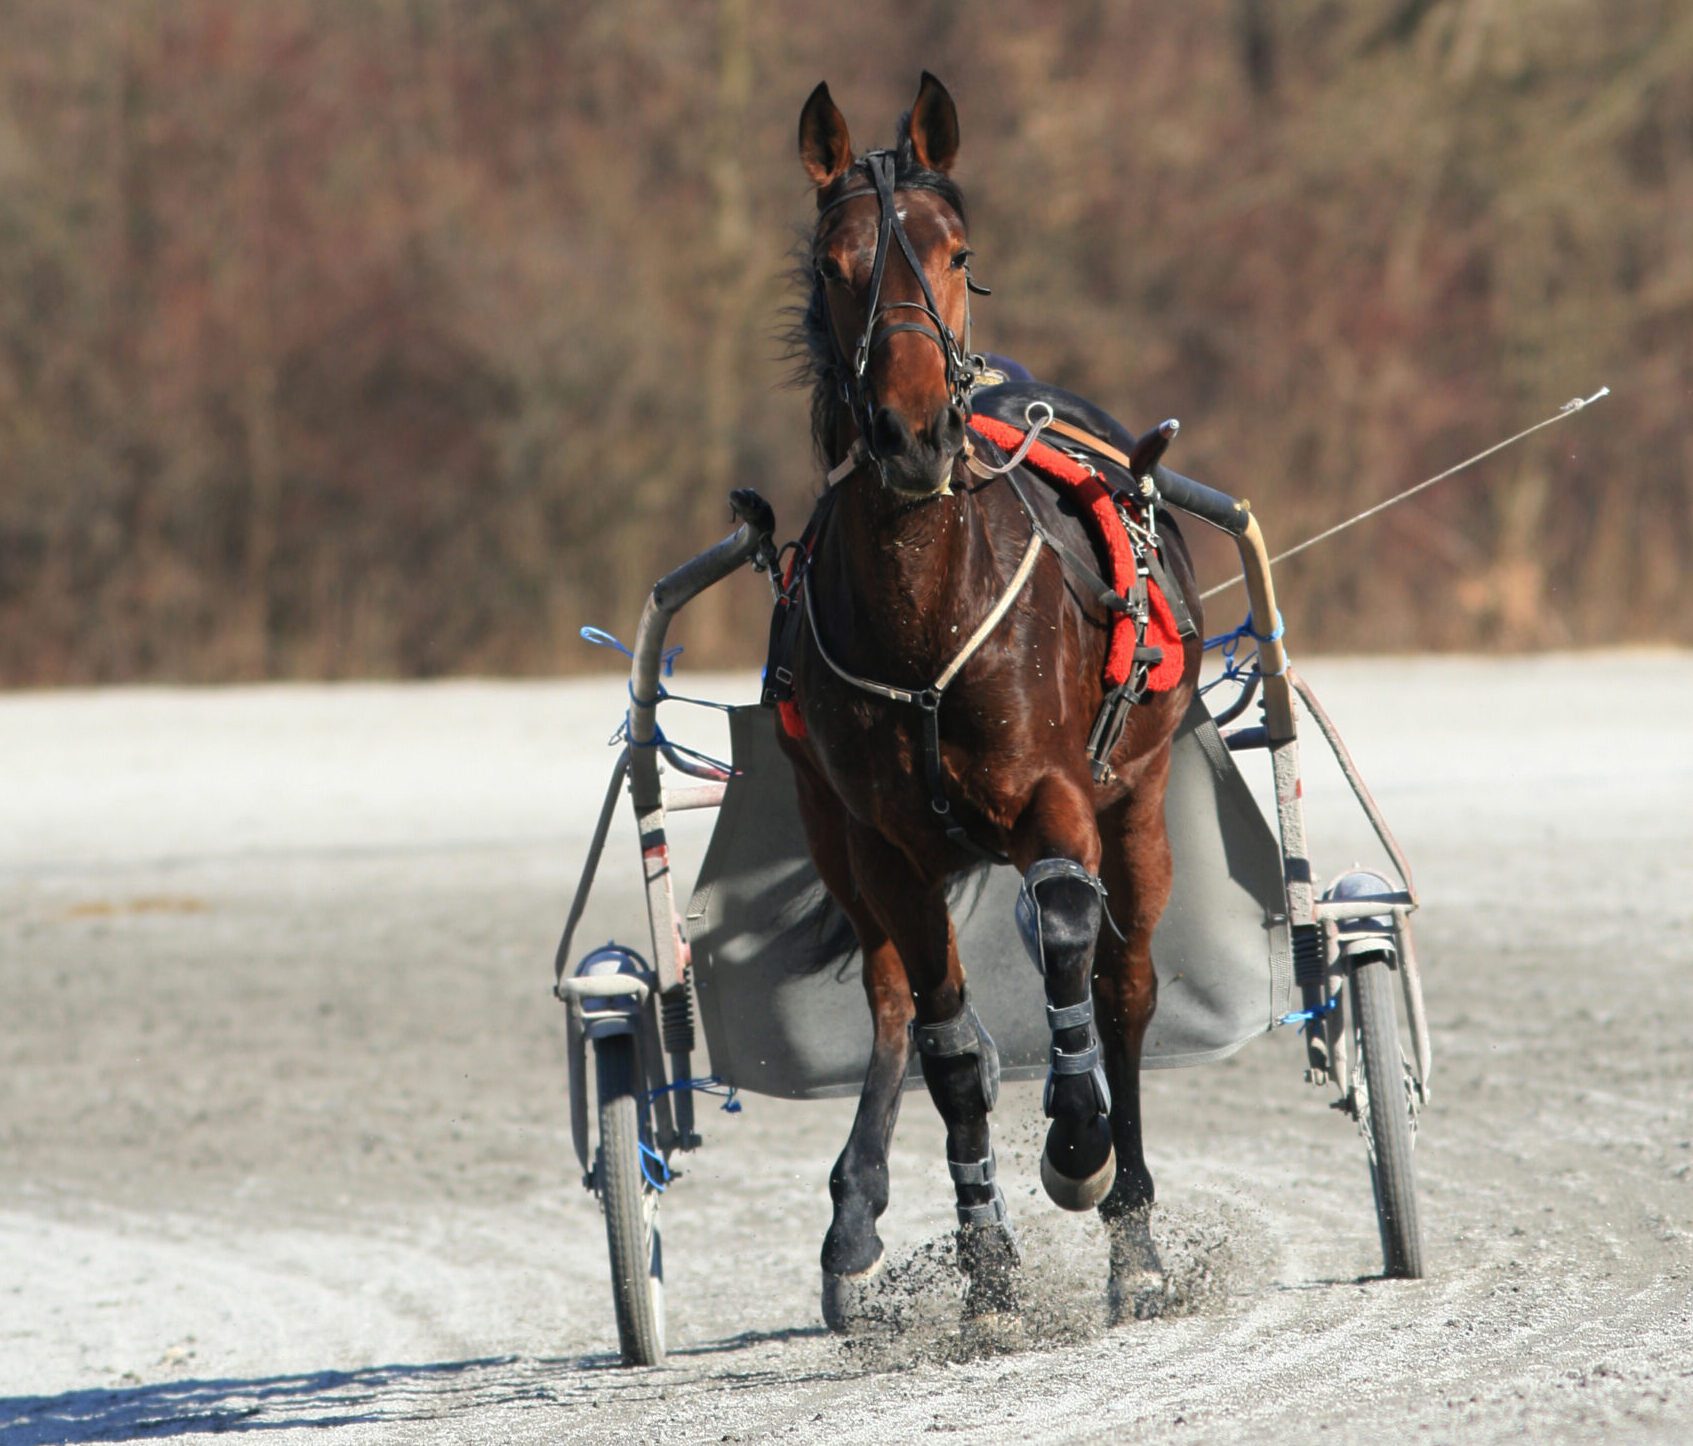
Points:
824	146
934	126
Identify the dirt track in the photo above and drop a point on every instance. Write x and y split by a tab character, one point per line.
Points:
284	1133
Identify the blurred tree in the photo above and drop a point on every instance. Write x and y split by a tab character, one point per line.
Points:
401	338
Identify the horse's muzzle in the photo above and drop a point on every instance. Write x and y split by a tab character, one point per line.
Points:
918	464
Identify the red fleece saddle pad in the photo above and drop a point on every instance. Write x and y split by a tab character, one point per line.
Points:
1093	500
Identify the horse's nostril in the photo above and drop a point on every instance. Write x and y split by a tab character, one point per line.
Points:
949	429
889	433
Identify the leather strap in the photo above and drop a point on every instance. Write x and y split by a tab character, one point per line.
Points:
1069	1016
991	1213
971	1172
928	700
1092	443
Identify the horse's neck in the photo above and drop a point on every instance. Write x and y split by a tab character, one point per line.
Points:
901	581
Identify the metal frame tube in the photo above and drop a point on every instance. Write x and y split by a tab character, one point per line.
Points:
671	593
672	1114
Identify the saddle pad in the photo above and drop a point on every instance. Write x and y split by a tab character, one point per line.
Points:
1111	538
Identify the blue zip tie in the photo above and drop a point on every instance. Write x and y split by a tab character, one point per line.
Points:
1310	1016
648	1153
710	1084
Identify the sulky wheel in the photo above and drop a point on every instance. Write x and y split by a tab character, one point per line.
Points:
1384	1114
630	1203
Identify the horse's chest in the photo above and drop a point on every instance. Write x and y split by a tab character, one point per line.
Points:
877	756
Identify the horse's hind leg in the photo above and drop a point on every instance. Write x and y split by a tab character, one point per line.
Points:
1057	846
858	1185
960	1063
1137	871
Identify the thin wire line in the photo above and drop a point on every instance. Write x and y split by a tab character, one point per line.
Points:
1569	409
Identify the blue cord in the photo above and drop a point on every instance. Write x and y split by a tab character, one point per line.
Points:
600	638
707	1085
1235	670
710	1084
658	740
1245	630
648	1153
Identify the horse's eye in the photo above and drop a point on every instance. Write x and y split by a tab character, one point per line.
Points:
962	259
830	269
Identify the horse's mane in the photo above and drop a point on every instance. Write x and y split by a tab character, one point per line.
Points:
809	341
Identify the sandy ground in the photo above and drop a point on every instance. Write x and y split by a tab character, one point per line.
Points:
283	1142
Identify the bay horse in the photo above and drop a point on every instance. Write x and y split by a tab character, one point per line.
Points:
944	686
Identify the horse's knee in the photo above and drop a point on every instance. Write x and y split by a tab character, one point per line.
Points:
1059	909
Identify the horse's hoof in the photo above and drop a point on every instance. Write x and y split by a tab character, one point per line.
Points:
992	1294
1068	1194
995	1331
844	1297
1135	1297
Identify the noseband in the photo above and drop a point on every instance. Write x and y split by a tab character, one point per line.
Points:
961	367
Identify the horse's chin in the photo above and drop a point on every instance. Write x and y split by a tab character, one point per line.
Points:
913	485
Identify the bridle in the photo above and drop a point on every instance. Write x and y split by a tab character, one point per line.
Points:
962	368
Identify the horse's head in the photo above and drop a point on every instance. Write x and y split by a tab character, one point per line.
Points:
891	262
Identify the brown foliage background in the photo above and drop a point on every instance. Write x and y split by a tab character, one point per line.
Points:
402	336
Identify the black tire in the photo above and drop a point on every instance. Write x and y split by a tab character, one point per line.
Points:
1381	1070
630	1205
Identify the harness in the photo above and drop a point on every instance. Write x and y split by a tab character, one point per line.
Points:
794	603
795	608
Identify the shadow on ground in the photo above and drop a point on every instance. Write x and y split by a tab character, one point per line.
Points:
175	1408
376	1395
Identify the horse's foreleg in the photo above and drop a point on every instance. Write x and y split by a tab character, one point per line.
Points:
858	1185
852	1250
1056	844
960	1063
1138	873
